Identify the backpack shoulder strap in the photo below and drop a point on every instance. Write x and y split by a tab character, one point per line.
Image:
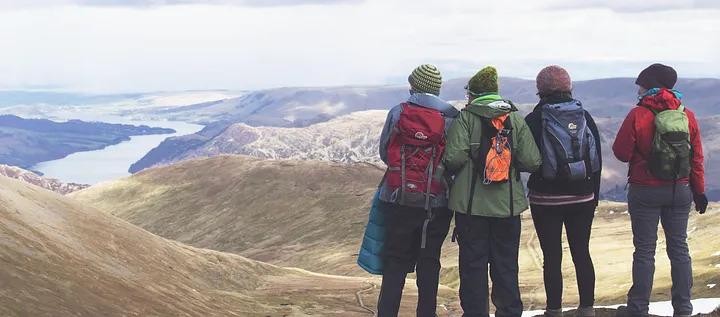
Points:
508	125
478	157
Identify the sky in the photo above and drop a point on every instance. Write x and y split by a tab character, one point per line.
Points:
101	46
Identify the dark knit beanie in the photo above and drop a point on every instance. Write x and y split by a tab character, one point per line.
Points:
426	79
485	81
657	76
553	79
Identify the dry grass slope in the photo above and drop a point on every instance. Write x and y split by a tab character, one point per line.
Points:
311	215
304	214
60	258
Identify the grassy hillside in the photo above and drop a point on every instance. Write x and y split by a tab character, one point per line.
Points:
272	211
311	215
60	258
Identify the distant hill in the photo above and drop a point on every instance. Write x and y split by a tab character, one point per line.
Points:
62	106
61	258
37	180
311	214
611	97
355	138
30	97
297	107
246	125
350	138
26	142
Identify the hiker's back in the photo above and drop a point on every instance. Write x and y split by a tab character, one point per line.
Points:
670	153
567	145
489	145
414	154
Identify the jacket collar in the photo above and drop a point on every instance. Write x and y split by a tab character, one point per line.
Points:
661	99
433	102
490	106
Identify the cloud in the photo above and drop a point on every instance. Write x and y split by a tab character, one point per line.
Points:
11	4
97	47
625	6
254	3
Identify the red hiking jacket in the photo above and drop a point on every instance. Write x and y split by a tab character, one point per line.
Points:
634	141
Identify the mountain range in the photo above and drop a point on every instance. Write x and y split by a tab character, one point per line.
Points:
335	124
349	138
354	138
298	107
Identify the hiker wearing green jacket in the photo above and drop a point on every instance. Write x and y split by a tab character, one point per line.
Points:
488	146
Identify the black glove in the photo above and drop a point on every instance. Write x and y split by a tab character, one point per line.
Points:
701	203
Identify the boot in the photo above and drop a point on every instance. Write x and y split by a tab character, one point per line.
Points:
588	311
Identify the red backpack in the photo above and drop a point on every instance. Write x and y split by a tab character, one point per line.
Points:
414	153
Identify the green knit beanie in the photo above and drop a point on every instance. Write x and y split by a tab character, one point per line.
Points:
485	81
426	79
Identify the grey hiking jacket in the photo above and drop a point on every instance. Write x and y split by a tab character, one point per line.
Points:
423	100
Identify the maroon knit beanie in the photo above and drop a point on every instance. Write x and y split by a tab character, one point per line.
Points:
657	76
553	79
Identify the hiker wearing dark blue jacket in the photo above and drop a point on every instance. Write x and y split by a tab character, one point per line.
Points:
565	191
413	239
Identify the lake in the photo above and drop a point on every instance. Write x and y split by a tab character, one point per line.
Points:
112	162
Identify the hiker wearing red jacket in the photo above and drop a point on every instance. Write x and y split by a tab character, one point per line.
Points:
660	139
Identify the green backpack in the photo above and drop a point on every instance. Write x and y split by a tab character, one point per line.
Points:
670	155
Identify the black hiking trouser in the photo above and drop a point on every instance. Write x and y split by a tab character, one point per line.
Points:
489	242
577	219
402	254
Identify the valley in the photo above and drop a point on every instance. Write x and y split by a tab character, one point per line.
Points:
62	258
311	215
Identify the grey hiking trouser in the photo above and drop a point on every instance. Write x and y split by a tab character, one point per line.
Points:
648	205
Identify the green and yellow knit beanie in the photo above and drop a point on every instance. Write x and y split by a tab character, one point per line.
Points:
485	81
426	79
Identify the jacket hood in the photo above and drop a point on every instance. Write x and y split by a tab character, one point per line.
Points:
433	102
661	99
490	106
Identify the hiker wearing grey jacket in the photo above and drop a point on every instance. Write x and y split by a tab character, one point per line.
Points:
421	99
413	234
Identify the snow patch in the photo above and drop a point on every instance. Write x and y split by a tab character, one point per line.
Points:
700	306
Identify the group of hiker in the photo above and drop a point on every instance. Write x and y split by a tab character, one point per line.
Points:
445	163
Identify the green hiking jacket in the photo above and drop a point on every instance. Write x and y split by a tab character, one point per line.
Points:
489	200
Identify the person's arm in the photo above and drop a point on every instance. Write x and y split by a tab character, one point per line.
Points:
535	125
624	144
457	147
597	176
528	155
386	133
697	169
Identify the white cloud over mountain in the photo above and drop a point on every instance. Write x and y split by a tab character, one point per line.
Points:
106	45
639	6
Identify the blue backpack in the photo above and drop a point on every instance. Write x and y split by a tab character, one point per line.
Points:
568	146
370	256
